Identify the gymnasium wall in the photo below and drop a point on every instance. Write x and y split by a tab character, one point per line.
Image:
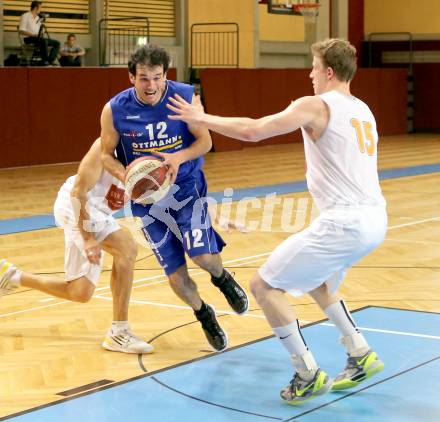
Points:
275	27
52	115
427	97
421	19
253	93
241	12
416	16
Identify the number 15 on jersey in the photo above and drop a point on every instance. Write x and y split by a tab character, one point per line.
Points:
364	135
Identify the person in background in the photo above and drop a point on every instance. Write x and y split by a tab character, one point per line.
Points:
71	52
30	28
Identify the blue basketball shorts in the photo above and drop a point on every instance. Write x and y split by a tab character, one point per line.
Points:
180	223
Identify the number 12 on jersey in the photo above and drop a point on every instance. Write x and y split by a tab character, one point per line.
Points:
197	239
364	135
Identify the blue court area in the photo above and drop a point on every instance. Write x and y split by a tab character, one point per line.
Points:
46	221
242	384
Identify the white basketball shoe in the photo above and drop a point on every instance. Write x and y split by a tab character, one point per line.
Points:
7	270
126	342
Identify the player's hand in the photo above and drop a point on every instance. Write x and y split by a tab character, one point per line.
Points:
171	161
189	113
92	250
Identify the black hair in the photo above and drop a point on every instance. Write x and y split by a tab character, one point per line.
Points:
36	4
150	55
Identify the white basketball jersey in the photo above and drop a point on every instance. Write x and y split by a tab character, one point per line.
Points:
342	163
107	195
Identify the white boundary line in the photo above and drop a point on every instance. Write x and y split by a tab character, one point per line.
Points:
414	223
37	308
399	333
326	324
187	308
163	277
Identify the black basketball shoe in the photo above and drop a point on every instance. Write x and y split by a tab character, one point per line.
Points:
214	333
233	292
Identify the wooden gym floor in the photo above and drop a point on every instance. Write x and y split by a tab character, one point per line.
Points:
48	346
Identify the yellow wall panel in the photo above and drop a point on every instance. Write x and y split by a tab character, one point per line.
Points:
416	16
239	11
280	27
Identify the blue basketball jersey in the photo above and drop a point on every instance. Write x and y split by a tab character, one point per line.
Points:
143	128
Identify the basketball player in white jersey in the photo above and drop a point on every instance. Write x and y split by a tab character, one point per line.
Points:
84	209
340	141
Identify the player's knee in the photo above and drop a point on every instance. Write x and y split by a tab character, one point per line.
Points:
81	296
131	250
122	246
257	287
81	292
207	261
179	280
126	255
200	260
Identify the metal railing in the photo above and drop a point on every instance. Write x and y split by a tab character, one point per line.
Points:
215	45
392	34
119	37
410	82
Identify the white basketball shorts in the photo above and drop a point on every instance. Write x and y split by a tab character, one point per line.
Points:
324	251
76	264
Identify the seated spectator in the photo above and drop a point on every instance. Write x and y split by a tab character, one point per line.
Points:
71	52
31	25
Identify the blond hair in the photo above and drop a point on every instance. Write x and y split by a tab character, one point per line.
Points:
338	54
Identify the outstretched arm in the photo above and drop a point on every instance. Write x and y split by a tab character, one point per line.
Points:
300	113
109	142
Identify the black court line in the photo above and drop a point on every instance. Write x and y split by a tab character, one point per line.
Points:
140	356
141	363
82	388
234	348
362	389
212	403
149	374
403	309
256	267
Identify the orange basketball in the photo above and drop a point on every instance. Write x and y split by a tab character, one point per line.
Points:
146	181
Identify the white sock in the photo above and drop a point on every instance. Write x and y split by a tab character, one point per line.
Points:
355	344
305	365
340	316
118	326
291	338
352	339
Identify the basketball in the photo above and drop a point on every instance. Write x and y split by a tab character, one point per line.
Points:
146	181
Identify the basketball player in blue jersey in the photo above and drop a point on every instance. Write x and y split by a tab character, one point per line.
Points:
135	124
340	143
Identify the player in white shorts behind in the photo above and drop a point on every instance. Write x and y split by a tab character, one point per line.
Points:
84	209
340	141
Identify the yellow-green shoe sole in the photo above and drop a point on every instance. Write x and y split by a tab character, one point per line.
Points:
347	383
323	390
